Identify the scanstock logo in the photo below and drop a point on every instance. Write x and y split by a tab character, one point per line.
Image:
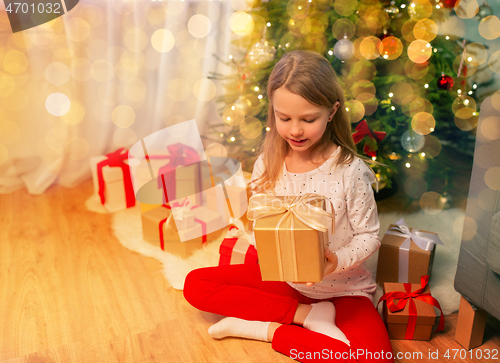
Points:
32	13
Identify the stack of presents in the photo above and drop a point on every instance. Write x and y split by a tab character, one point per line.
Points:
187	201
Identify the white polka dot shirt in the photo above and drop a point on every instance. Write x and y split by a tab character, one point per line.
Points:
348	186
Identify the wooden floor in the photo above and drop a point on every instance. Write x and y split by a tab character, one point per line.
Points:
69	292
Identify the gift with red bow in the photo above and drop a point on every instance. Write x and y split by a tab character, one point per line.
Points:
409	310
112	180
175	169
180	228
363	130
236	249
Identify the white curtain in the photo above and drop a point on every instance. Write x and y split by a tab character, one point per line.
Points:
103	76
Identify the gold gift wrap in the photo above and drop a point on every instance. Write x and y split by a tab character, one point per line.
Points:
291	234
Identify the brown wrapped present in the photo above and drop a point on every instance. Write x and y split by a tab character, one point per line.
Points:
160	229
291	234
405	254
409	310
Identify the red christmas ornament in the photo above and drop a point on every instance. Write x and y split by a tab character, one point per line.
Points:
449	3
385	35
445	82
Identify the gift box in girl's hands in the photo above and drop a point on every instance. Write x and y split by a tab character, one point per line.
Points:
296	253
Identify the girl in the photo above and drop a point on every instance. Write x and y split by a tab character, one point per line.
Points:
309	148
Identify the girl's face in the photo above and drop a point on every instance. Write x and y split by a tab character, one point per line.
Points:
300	122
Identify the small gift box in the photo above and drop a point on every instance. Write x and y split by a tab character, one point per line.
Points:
176	170
235	249
112	180
409	310
405	254
160	228
291	234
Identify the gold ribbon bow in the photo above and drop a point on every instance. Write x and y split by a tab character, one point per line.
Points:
265	205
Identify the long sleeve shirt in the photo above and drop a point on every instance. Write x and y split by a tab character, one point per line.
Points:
348	186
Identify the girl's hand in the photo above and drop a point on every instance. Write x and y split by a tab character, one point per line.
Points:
331	264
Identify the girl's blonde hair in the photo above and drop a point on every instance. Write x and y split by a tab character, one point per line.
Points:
311	76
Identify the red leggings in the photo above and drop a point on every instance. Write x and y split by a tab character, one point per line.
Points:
238	291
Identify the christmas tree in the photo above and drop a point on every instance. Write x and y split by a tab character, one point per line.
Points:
411	92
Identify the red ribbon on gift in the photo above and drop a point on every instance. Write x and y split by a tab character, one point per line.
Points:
409	295
363	130
163	221
180	155
117	159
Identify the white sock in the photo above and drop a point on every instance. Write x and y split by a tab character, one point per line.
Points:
321	319
234	327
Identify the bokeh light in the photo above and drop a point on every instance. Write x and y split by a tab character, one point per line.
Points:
466	124
489	27
300	9
363	70
475	54
420	9
232	116
466	9
420	104
345	7
492	178
75	114
432	147
494	62
343	27
215	150
490	128
123	116
127	69
431	203
402	92
57	104
204	90
355	110
57	73
77	29
419	51
407	30
102	70
370	47
241	23
162	40
463	106
17	101
482	157
251	128
425	29
7	85
199	26
415	186
10	132
109	93
390	48
92	14
487	199
423	123
469	229
15	62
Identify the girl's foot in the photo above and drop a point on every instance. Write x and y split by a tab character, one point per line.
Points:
321	319
234	327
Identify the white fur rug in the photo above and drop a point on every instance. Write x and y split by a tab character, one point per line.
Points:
448	224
